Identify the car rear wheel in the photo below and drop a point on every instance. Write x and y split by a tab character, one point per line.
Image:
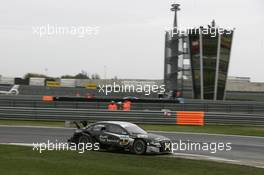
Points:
84	139
139	147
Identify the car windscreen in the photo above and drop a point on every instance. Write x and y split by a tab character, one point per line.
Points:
134	129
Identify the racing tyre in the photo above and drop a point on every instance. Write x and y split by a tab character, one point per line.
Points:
139	147
84	139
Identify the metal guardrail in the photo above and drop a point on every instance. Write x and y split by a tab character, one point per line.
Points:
250	108
234	119
151	117
135	116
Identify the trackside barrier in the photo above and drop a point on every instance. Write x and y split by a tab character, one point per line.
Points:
135	116
47	98
219	107
189	118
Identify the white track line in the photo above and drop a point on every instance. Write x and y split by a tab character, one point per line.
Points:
18	144
29	126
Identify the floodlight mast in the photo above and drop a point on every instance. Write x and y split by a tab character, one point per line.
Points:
175	8
174	52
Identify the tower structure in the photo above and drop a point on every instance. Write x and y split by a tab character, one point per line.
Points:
207	51
172	54
210	50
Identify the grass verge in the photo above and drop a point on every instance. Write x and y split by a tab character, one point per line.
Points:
19	160
213	129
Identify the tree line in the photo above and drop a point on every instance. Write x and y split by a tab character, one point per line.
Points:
81	75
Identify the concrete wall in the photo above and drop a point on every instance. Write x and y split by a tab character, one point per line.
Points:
244	86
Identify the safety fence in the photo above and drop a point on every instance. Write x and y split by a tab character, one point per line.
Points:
136	116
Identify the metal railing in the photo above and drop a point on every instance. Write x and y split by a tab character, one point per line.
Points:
152	117
135	116
235	107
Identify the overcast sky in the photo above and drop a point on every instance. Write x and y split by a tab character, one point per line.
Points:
130	39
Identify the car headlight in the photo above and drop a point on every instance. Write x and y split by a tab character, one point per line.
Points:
78	130
155	143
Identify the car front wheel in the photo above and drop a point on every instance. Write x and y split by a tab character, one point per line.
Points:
139	147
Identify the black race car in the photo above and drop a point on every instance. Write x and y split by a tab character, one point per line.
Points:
115	135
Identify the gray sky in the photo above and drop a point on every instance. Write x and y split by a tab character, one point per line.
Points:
130	42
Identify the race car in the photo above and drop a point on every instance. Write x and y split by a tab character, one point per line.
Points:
118	135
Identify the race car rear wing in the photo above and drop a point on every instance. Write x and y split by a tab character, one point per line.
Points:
84	124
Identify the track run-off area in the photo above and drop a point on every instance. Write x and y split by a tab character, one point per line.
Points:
245	150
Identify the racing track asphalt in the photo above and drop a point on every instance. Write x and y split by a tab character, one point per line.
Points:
245	149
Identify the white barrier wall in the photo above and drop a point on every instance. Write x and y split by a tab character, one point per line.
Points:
7	80
37	81
68	82
244	86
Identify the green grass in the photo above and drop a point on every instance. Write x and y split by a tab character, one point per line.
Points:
213	129
19	160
